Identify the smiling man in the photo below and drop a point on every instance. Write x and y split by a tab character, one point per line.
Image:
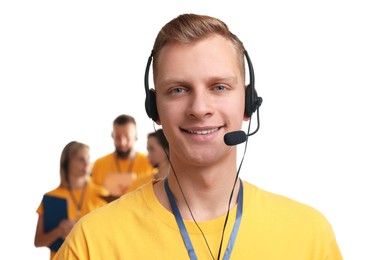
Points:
202	210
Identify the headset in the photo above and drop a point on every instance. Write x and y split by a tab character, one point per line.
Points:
252	100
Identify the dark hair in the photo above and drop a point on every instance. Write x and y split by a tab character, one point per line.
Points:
159	134
123	120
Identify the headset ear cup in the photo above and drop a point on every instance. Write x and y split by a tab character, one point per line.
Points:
248	101
150	105
252	101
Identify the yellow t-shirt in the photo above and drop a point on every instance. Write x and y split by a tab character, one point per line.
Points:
104	167
137	226
92	200
140	182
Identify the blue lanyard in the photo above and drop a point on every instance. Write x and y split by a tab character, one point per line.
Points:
183	230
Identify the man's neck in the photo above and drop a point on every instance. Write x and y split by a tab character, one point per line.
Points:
206	189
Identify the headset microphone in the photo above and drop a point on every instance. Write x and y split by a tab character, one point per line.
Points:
235	138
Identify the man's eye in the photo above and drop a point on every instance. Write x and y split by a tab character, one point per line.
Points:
178	90
220	87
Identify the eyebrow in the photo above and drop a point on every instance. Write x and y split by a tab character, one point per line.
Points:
216	79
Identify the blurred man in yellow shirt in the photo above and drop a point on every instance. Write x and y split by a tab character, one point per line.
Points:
118	170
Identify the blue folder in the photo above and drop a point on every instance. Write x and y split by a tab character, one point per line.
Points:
54	210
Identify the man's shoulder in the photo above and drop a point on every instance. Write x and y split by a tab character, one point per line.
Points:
141	155
143	161
103	158
280	205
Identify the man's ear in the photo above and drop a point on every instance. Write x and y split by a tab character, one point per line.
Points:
246	118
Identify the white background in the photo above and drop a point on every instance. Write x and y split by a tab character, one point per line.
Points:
68	68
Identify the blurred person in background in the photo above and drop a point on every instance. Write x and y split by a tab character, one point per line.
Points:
116	171
158	152
76	196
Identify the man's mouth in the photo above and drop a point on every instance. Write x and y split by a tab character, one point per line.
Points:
202	132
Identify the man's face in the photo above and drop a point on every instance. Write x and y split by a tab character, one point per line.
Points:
124	137
200	97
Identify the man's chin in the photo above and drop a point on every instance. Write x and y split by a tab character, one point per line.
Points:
123	154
